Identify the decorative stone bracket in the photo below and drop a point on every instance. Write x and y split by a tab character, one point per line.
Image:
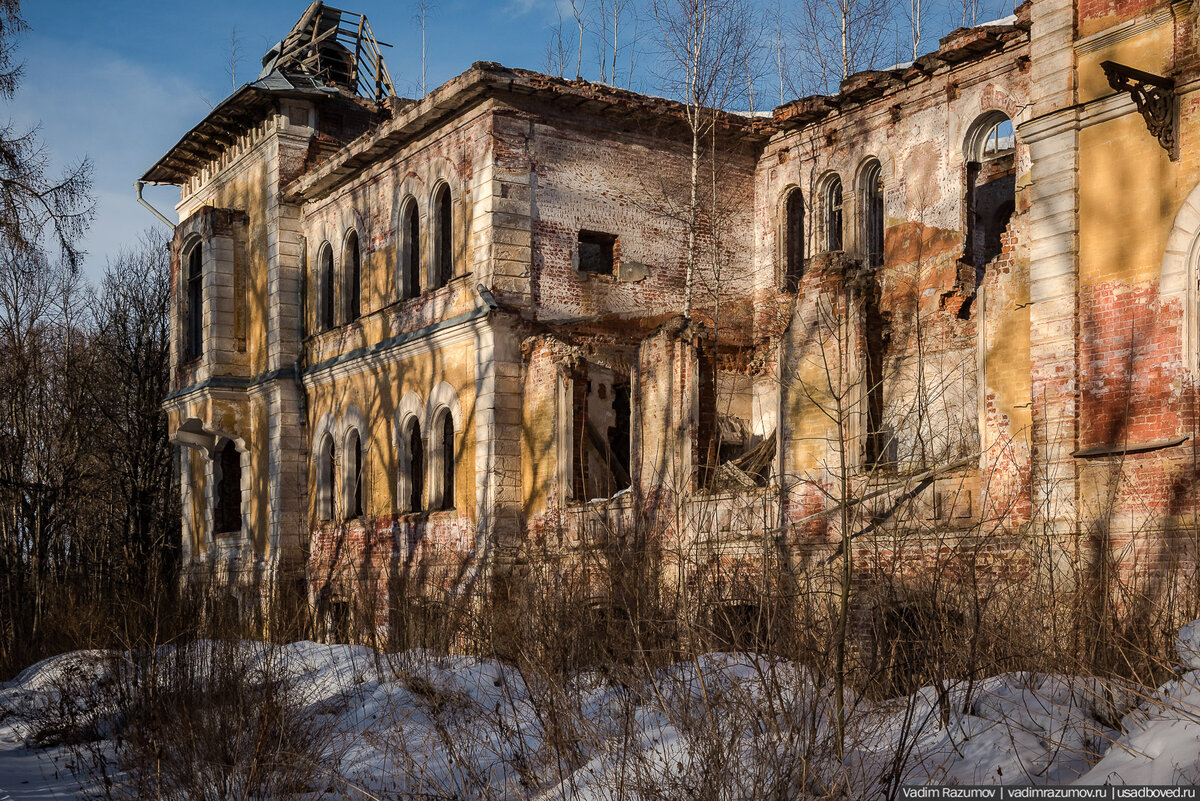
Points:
1154	97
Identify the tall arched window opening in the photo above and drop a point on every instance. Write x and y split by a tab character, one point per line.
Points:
353	278
325	286
793	240
326	466
447	454
991	189
227	499
354	480
194	314
871	194
443	229
833	213
411	255
416	466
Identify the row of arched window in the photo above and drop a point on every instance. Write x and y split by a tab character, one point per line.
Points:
830	233
425	469
414	276
989	140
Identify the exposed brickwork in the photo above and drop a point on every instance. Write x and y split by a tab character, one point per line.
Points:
976	386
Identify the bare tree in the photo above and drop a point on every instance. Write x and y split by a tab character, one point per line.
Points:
705	46
913	12
556	54
421	12
841	37
578	9
235	43
32	202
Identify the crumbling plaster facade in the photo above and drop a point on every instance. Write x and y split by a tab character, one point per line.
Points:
988	331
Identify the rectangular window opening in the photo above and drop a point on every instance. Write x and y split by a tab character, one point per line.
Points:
601	423
597	252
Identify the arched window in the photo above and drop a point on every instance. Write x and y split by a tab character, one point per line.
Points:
832	202
870	192
227	499
793	240
416	466
410	256
447	459
325	287
326	466
353	268
194	313
354	476
991	188
443	232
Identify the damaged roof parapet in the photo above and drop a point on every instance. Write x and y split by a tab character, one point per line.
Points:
486	79
955	48
319	60
321	48
237	114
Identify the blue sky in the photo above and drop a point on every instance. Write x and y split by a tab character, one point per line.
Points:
121	83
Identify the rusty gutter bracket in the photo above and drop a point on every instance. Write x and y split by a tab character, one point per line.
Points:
1155	99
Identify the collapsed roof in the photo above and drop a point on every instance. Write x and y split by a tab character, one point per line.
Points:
328	53
332	47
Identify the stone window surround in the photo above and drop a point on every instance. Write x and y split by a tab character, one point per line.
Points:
782	237
212	476
825	187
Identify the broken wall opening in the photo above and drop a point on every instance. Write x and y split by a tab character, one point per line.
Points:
879	443
991	190
601	424
735	429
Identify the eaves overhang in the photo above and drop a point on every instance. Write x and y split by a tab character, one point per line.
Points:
219	130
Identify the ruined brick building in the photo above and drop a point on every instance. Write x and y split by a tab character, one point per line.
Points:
436	336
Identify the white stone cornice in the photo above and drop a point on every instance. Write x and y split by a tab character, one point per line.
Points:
1126	30
468	329
1049	125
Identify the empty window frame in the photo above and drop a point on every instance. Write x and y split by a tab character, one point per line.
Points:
326	466
793	240
999	140
354	478
353	266
596	253
447	461
871	212
707	443
879	445
579	416
325	287
444	233
227	497
413	488
601	422
194	311
991	189
832	203
410	256
443	462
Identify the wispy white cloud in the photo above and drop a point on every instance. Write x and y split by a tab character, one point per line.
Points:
122	115
519	8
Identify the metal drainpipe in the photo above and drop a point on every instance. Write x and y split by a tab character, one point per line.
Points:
299	364
137	187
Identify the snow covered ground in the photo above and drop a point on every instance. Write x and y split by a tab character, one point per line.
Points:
456	726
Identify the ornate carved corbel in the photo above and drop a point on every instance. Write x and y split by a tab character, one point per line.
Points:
1154	97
